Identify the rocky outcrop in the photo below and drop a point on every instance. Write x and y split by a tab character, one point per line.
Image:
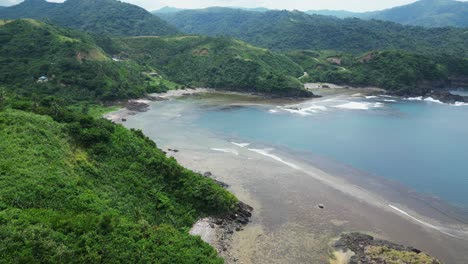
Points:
137	106
368	250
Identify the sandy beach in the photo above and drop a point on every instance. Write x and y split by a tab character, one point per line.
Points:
287	225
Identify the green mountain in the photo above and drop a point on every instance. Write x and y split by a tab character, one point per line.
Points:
216	62
428	13
285	30
167	9
109	17
81	67
399	72
340	13
76	67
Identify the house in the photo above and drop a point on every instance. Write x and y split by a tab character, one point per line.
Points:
42	79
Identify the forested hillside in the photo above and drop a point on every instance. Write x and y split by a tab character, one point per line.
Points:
82	67
395	71
74	189
285	30
428	13
74	65
109	17
217	62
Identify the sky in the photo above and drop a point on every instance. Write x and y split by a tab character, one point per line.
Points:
351	5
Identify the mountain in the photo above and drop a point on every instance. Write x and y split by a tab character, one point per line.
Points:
109	17
167	9
224	63
76	66
84	67
428	13
340	13
290	30
399	72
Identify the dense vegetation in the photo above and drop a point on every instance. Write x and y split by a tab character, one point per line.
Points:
285	30
75	66
394	70
427	13
217	62
79	67
74	189
109	17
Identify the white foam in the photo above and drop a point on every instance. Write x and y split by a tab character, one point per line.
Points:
371	97
440	229
231	151
419	98
430	99
357	95
273	111
309	110
390	100
460	104
242	145
266	152
354	106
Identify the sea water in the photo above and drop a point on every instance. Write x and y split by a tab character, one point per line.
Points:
422	144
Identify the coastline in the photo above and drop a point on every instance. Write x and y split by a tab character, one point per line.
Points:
250	171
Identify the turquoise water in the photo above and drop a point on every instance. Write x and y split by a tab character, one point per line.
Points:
423	145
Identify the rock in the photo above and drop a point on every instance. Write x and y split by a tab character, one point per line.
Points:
156	98
137	106
321	206
207	174
373	251
124	120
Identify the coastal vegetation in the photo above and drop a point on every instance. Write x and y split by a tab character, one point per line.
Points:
78	189
393	70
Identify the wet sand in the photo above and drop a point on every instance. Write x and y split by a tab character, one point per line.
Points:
287	225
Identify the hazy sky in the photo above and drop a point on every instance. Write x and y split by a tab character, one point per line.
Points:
352	5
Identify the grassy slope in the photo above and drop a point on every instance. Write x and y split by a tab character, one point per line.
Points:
115	200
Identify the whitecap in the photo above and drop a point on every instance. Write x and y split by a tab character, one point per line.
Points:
390	100
354	106
273	111
266	152
430	99
460	104
419	98
440	229
242	145
231	151
371	97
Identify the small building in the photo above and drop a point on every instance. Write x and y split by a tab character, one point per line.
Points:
42	79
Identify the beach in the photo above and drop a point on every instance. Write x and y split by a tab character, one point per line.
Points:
288	225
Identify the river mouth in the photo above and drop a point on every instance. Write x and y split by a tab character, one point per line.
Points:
285	186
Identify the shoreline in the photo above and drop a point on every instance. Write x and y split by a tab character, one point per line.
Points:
265	167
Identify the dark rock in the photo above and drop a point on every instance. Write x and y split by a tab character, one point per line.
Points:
124	120
137	106
358	243
155	98
207	174
321	206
